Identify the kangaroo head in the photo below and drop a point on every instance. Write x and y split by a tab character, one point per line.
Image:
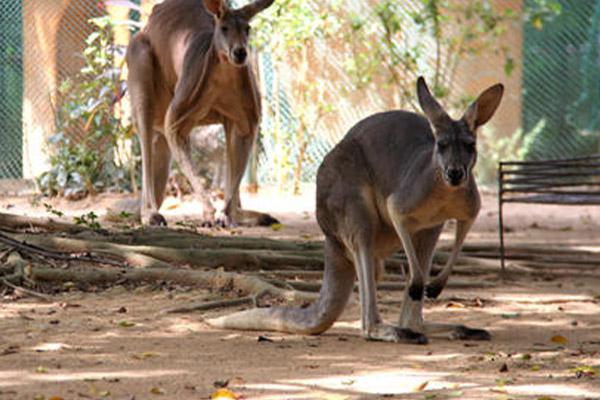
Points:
232	28
455	151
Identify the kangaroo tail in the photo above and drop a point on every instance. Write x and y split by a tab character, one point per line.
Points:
338	282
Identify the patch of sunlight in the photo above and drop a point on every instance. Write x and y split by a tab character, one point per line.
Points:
329	357
302	395
181	326
45	347
275	387
355	324
24	377
110	334
432	357
551	390
384	382
593	249
532	321
540	297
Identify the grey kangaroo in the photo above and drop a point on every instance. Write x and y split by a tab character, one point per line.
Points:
188	67
391	182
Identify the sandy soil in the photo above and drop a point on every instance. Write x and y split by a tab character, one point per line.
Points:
116	344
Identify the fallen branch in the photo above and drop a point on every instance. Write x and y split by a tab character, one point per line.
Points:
19	289
211	305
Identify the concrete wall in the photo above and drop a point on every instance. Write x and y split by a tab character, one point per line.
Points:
477	73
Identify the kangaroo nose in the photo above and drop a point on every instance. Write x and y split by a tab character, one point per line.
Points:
455	175
240	54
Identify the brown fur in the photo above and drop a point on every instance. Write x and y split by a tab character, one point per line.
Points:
184	71
391	183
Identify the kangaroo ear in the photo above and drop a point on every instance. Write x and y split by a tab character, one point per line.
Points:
250	10
482	109
432	109
216	7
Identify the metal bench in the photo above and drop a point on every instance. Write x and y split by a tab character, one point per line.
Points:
574	181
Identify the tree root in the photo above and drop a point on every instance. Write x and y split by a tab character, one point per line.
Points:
19	223
215	280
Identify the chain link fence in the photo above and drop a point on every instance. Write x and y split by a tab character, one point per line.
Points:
11	88
561	83
554	90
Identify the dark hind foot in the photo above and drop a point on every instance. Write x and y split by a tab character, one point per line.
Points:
410	336
390	333
157	219
433	290
266	220
415	292
461	332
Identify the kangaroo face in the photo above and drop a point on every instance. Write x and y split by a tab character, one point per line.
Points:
455	150
231	38
232	29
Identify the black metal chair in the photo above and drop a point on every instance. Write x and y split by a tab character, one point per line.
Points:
574	181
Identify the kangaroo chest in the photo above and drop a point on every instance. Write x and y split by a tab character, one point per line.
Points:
441	205
230	95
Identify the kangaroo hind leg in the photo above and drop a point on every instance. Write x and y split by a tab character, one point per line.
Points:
360	238
140	83
412	311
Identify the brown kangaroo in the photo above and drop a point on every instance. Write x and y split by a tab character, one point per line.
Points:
392	182
188	67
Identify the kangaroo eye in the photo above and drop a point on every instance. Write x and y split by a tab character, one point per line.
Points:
224	29
442	145
470	146
247	30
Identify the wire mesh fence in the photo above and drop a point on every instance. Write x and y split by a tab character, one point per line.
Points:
561	96
11	89
553	91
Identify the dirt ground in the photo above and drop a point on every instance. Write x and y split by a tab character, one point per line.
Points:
116	344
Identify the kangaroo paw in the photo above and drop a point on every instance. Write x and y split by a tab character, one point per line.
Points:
463	333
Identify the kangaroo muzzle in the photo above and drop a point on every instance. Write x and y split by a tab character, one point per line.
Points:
455	176
239	56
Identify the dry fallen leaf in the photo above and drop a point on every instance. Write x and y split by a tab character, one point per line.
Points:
422	386
41	370
125	324
276	227
224	394
585	370
144	355
157	390
55	398
455	304
559	339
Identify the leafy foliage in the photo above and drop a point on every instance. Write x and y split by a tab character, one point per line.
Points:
289	32
91	150
389	45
